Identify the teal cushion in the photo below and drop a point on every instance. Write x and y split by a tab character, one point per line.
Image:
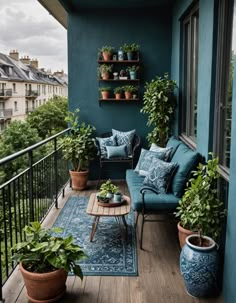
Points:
124	138
117	151
173	143
103	142
152	201
187	160
145	160
160	175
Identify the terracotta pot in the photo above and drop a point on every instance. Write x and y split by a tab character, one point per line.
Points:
79	179
105	76
105	95
118	96
183	233
44	287
128	95
106	56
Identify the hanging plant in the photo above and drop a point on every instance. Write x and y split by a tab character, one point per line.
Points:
159	104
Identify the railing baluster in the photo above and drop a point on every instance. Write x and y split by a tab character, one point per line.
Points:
31	186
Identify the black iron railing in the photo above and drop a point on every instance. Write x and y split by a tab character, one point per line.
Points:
5	92
31	93
28	193
5	113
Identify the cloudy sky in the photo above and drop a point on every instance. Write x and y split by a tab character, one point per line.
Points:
27	27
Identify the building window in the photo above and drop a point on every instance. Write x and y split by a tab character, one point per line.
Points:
226	51
15	106
14	87
189	73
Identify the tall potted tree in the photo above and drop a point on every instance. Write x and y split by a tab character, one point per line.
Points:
78	147
159	104
45	260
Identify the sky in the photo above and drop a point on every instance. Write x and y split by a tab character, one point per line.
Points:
26	26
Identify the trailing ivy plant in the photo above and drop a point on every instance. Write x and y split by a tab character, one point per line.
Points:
159	104
200	210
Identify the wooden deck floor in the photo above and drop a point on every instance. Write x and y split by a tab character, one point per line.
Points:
159	277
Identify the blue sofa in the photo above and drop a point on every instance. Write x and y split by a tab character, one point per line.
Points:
145	200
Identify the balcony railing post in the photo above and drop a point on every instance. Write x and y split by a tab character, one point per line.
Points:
1	295
31	184
56	172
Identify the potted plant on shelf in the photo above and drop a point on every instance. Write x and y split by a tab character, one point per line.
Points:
118	92
130	49
45	260
107	52
133	71
159	103
78	147
104	70
105	92
200	208
129	90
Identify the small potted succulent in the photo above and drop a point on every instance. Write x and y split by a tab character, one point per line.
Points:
130	49
45	260
133	71
108	189
105	92
118	92
107	52
129	90
104	70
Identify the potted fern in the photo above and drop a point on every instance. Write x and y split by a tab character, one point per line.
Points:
105	92
107	52
78	147
159	104
104	71
118	92
129	91
45	260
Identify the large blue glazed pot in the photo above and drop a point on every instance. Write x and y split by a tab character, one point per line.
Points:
199	267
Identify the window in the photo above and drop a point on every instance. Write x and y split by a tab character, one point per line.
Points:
226	50
14	87
189	73
15	106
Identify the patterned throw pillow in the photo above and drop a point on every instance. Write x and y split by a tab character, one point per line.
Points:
166	150
103	142
160	175
124	138
145	160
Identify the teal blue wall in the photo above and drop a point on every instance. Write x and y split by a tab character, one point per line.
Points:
89	31
230	247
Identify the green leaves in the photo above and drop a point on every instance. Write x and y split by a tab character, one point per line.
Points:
159	104
200	208
43	252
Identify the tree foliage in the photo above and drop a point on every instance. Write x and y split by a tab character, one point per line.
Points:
49	118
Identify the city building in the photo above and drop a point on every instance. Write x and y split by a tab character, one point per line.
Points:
24	87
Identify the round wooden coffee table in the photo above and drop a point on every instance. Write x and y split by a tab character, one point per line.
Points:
118	212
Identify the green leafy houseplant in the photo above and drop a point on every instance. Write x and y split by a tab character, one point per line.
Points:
133	68
78	147
130	88
108	187
105	89
43	252
118	90
200	209
105	68
129	47
107	49
159	104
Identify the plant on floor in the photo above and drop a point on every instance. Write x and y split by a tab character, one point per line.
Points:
78	147
159	104
108	188
200	208
46	256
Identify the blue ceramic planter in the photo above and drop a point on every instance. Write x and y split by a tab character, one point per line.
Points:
130	56
132	75
199	267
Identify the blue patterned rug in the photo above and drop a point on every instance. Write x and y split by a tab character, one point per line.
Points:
108	255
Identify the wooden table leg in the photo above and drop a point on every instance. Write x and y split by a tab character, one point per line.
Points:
94	227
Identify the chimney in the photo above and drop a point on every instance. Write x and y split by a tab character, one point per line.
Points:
14	54
25	60
34	63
